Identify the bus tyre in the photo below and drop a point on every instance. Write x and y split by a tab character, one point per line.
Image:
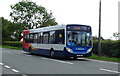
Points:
52	53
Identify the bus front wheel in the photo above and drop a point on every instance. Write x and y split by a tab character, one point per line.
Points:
75	58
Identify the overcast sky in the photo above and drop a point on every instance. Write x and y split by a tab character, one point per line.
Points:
84	12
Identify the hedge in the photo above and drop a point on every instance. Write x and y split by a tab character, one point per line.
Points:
12	43
108	48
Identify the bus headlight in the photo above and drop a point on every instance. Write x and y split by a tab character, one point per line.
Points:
69	50
89	50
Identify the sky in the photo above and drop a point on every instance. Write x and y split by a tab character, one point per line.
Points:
84	12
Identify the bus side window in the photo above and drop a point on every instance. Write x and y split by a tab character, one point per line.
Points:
31	37
45	37
39	37
35	38
52	37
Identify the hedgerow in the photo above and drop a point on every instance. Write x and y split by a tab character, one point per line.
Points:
108	48
12	43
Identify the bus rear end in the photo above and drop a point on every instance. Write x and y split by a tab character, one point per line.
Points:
26	45
78	41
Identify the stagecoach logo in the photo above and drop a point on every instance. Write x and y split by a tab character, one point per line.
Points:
80	49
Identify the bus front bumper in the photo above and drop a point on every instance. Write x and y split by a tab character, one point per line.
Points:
68	54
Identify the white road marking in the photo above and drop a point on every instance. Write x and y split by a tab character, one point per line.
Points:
14	70
1	63
7	66
100	61
109	70
58	60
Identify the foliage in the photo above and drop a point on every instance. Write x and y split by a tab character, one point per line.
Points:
31	15
12	43
11	47
10	31
25	15
108	48
6	27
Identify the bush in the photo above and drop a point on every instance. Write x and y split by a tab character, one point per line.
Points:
108	48
12	43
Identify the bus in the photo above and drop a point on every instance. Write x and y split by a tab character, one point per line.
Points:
71	40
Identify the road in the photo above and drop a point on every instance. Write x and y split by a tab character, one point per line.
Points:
20	62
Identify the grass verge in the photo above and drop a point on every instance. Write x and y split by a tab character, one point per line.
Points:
11	47
104	58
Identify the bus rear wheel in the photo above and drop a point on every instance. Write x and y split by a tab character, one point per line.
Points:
30	51
52	53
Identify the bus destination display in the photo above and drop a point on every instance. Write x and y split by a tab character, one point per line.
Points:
81	28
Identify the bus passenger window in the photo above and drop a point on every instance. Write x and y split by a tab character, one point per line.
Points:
35	38
31	38
52	37
45	37
39	38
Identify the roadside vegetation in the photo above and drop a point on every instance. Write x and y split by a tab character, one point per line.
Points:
109	48
11	47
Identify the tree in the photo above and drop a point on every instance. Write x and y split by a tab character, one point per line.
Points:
9	30
6	26
17	32
31	15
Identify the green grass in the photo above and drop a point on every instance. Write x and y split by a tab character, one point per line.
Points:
11	47
104	58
